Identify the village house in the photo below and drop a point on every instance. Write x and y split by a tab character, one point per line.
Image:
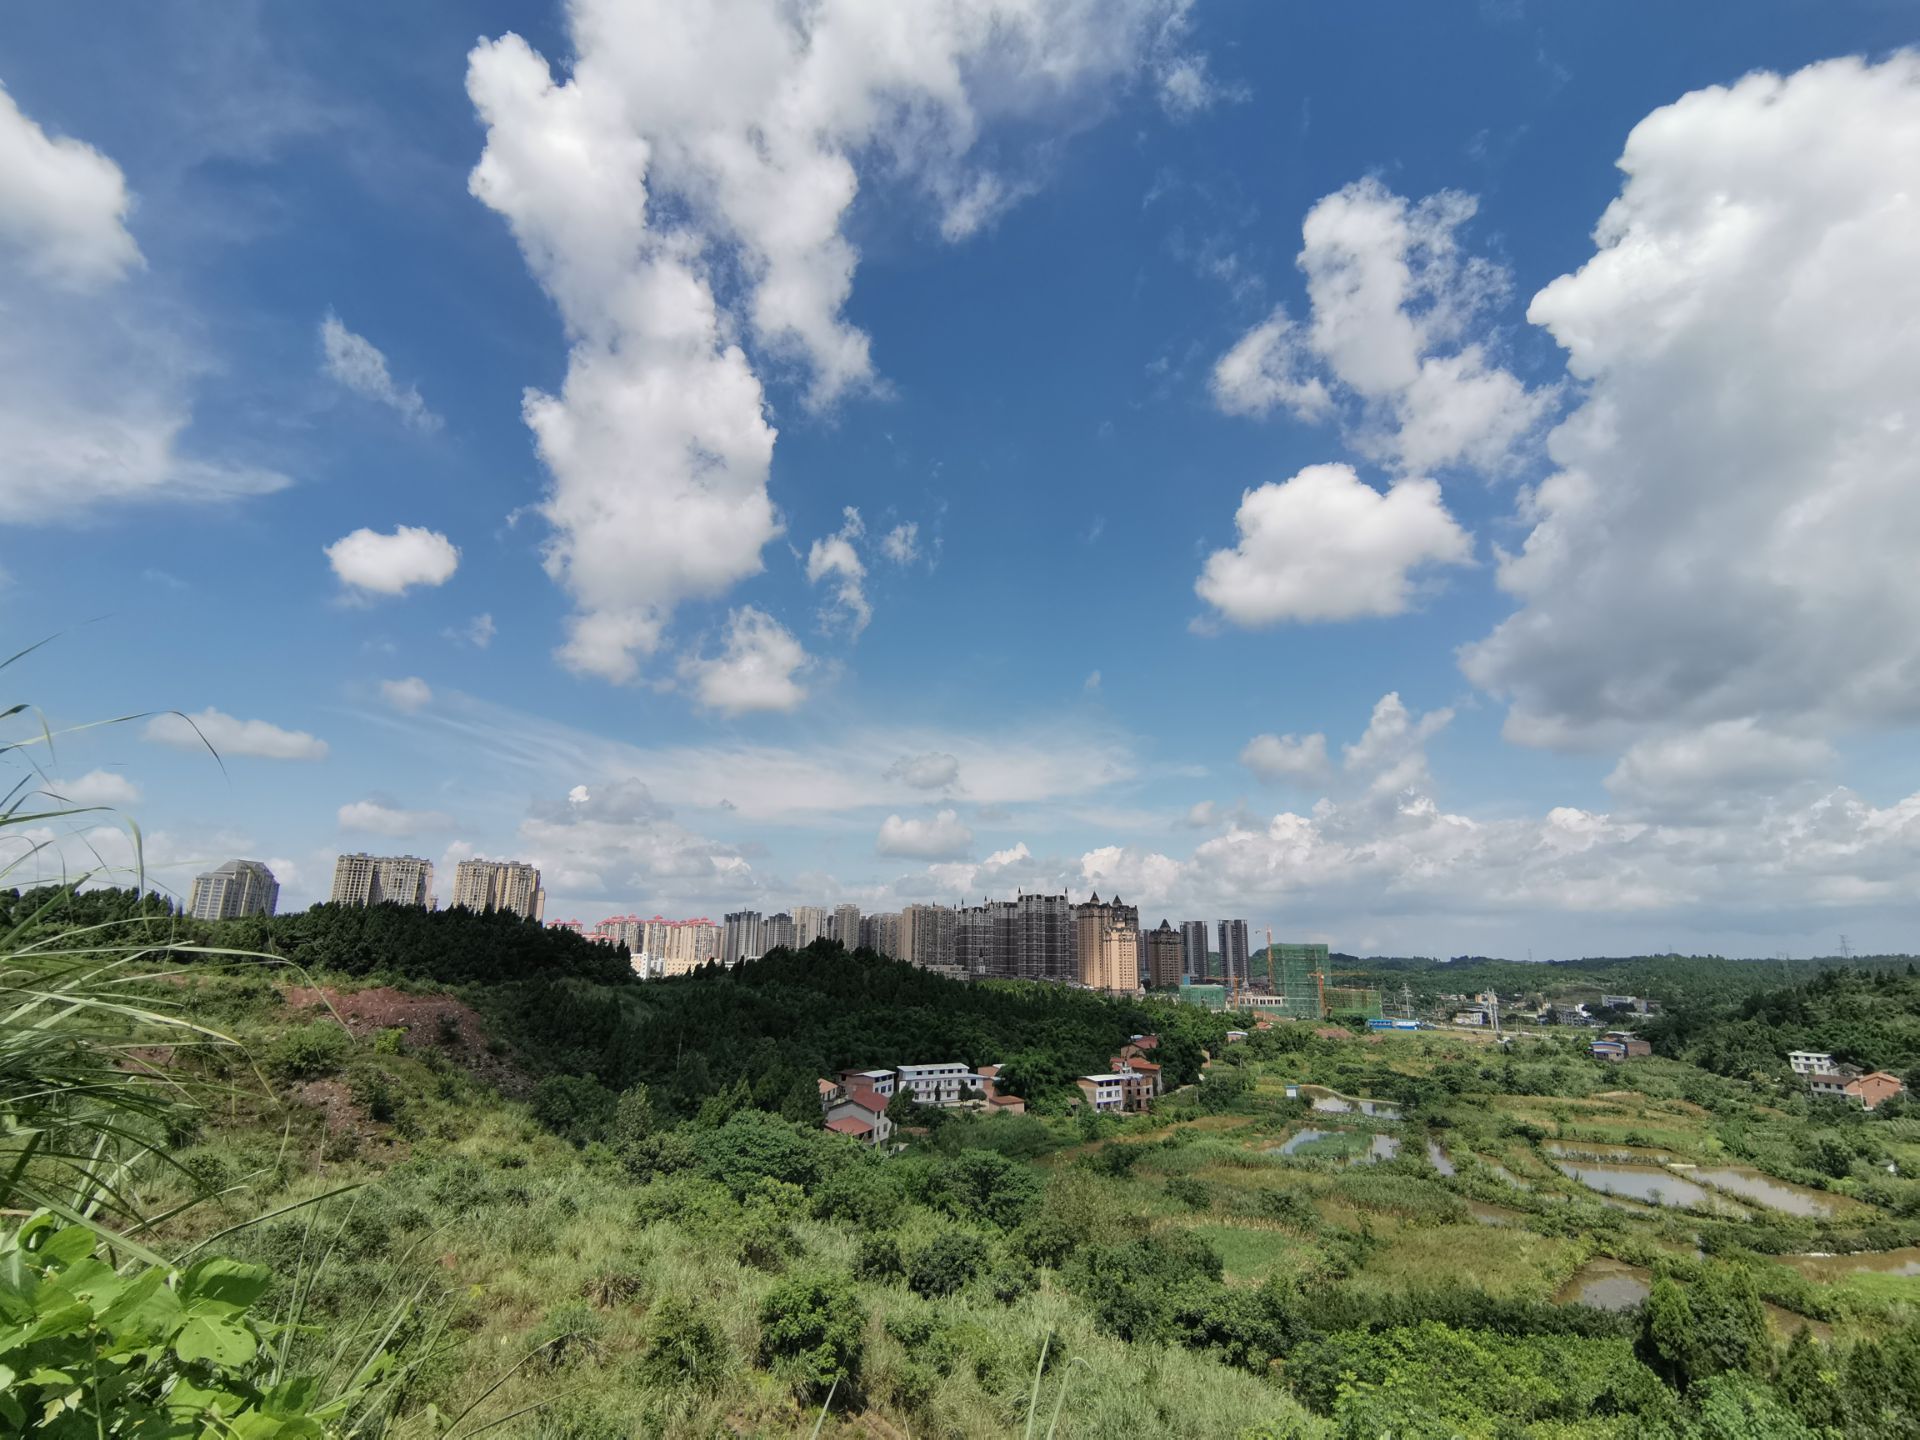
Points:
999	1102
1105	1094
1619	1045
948	1084
1124	1063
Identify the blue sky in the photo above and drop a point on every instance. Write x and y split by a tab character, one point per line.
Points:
1596	636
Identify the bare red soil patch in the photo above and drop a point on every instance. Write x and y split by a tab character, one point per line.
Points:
430	1022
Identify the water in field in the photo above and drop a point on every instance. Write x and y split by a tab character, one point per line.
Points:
1601	1150
1495	1214
1332	1102
1379	1147
1763	1189
1867	1262
1647	1183
1607	1284
1501	1172
1437	1157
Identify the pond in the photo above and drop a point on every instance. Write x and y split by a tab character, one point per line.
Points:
1437	1157
1606	1284
1502	1173
1602	1150
1495	1214
1646	1182
1763	1189
1867	1262
1332	1102
1609	1284
1307	1143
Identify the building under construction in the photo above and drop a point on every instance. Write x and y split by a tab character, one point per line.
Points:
1291	981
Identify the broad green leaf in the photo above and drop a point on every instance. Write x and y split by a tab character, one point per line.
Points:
45	1376
89	1279
205	1337
71	1318
63	1247
187	1399
144	1305
294	1396
225	1282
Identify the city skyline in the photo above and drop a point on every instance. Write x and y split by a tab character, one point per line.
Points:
1496	414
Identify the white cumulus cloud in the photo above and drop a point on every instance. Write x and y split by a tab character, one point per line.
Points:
835	558
942	836
1392	300
1728	532
1721	768
1324	545
95	378
934	770
357	363
96	787
686	138
1285	757
63	205
229	736
754	670
408	694
901	544
392	564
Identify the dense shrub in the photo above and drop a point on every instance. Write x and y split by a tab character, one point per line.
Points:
573	1106
983	1185
308	1052
952	1259
1192	1193
683	1346
812	1329
878	1258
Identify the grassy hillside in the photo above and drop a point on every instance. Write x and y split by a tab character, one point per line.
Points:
543	1198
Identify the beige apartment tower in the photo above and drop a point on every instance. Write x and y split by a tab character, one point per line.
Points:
1114	963
236	889
383	880
484	886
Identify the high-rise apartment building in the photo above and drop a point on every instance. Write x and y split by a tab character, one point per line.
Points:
485	886
927	936
619	930
885	934
744	937
809	924
237	888
1043	938
383	880
1092	954
1114	962
677	946
1193	950
983	943
1029	938
1165	956
846	926
780	931
1233	951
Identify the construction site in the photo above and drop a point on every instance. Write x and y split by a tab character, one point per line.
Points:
1291	982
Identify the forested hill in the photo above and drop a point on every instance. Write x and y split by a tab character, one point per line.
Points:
399	942
773	1026
1870	1018
778	1023
1673	980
